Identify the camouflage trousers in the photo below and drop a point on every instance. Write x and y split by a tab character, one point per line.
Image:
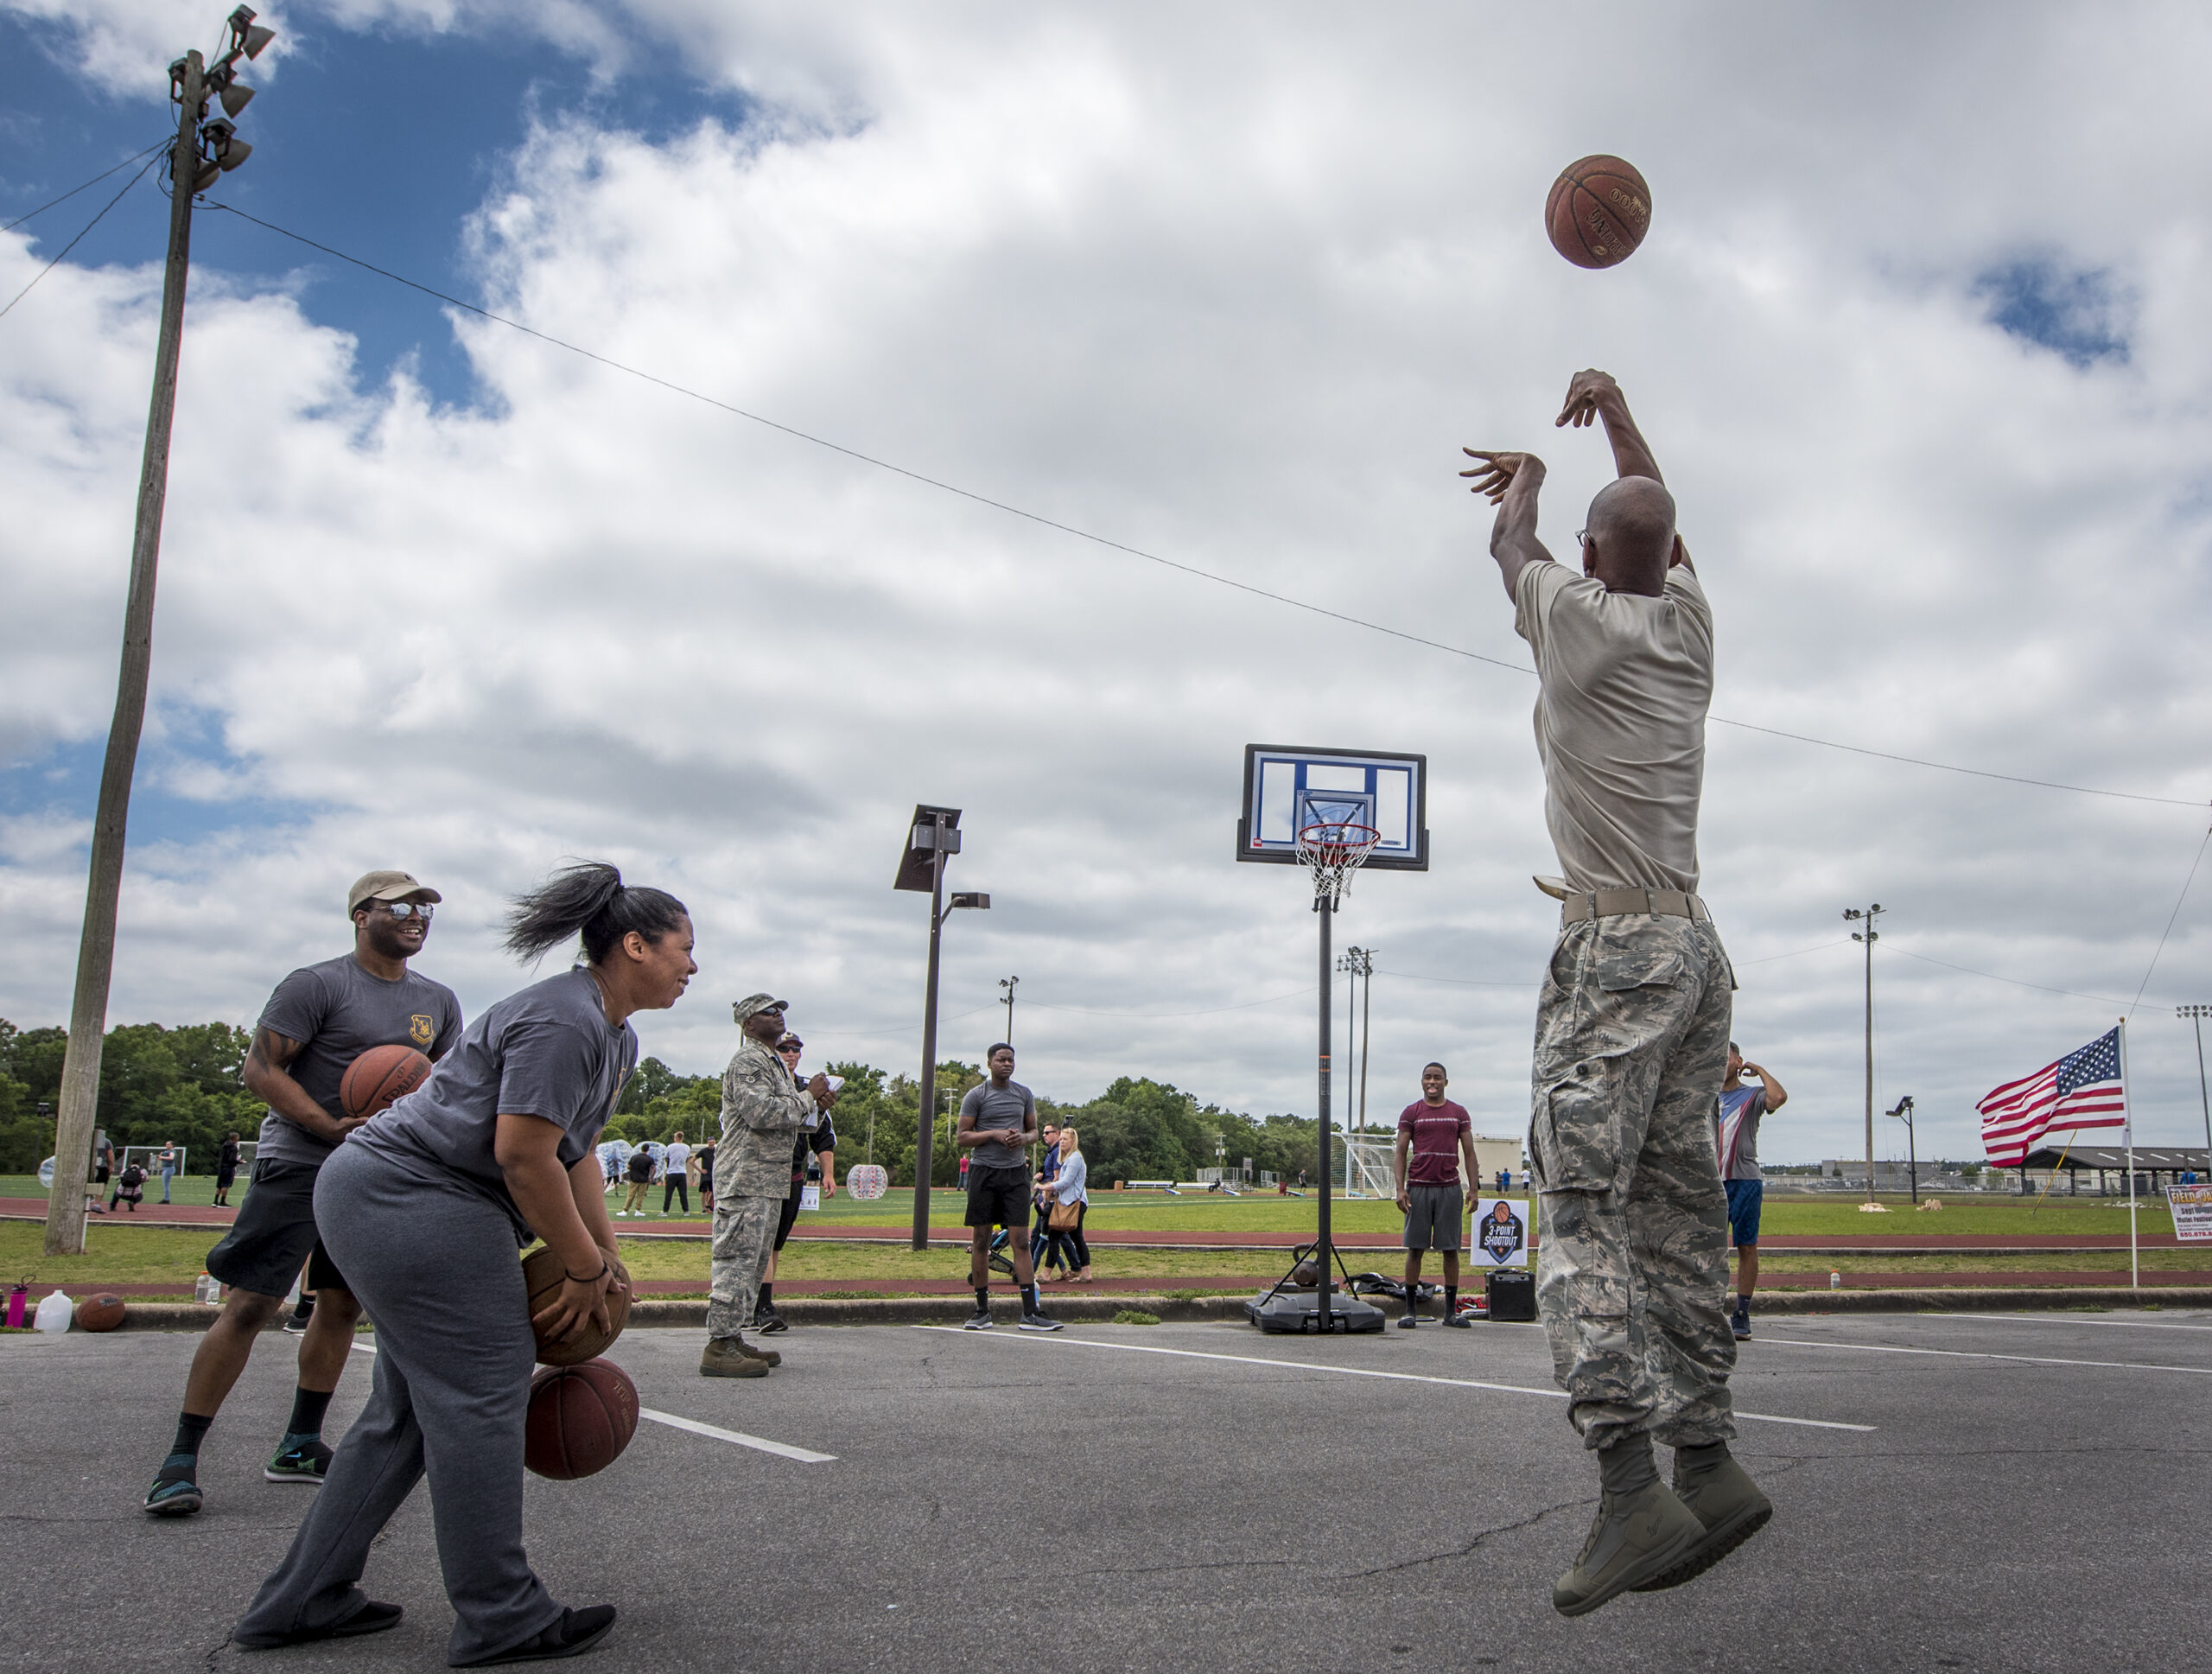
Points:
745	1235
1632	1268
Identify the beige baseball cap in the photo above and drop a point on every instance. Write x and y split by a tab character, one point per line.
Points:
386	886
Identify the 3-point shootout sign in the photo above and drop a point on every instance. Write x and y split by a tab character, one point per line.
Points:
1501	1235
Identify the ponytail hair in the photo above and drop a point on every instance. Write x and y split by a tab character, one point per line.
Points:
590	898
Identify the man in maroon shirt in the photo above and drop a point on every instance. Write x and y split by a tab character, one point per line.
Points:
1438	1132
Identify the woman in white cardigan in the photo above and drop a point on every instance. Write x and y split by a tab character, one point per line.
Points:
1067	1186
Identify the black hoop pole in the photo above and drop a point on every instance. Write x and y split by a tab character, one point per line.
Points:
1325	907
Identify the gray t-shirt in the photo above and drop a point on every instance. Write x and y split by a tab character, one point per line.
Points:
547	1051
1620	724
338	1011
994	1108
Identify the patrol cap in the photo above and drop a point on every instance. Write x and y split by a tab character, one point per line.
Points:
386	886
753	1004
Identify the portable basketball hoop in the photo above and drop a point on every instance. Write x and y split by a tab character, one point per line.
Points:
1331	850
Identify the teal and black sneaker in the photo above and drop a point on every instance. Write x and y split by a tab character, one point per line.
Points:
301	1459
174	1493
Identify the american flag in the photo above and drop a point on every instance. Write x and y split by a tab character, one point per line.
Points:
2082	1090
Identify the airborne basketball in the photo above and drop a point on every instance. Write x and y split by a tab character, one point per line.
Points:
1598	211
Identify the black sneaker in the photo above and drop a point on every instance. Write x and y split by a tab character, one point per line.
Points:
768	1322
297	1325
1740	1324
1039	1321
1458	1320
1407	1322
176	1492
307	1462
980	1321
576	1632
370	1618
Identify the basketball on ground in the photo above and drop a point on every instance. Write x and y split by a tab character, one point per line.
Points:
542	1276
379	1076
102	1313
1599	212
581	1418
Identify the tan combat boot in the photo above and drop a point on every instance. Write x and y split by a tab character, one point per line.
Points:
725	1357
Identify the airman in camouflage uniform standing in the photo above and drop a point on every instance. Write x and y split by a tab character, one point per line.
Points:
762	1114
1632	1025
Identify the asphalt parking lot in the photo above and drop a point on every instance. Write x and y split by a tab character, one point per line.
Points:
2002	1492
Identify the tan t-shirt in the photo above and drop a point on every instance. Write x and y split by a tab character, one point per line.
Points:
1620	724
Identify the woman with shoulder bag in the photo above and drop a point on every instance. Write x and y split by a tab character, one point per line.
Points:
1071	1202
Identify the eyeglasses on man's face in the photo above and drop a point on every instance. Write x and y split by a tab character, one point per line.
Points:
409	909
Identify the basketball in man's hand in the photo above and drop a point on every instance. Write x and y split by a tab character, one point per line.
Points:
1599	212
541	1274
581	1418
379	1076
101	1312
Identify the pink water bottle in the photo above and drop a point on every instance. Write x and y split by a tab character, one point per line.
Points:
16	1300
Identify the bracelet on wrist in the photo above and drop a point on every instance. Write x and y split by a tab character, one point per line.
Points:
605	1267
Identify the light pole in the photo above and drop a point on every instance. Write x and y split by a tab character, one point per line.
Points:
1008	984
1911	1148
1870	938
932	838
2196	1015
202	151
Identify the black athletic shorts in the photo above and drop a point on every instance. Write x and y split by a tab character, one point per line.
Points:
788	1219
999	1197
274	1233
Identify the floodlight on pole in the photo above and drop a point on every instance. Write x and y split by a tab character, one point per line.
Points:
193	168
2196	1015
1006	985
1868	936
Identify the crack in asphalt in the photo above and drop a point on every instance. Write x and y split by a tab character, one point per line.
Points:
1469	1548
1178	1569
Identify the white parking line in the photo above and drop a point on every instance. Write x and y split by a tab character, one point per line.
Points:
1362	1372
2040	1318
1978	1355
781	1450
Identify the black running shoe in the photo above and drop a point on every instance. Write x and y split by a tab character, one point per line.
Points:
370	1618
576	1632
1460	1320
1039	1321
981	1320
1407	1322
309	1463
176	1492
768	1322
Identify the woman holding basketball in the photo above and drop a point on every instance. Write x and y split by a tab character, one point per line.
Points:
424	1209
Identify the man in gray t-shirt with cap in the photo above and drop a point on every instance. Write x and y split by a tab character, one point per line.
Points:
320	1020
1632	1021
998	1124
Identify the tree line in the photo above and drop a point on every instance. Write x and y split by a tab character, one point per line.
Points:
180	1086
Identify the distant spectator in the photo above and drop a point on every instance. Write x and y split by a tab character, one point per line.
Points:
1741	1107
130	1187
1048	1249
169	1169
675	1182
640	1176
103	1168
1069	1185
226	1170
704	1157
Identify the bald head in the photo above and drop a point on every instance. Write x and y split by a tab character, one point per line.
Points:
1632	536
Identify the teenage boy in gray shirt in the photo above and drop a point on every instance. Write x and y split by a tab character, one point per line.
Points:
998	1124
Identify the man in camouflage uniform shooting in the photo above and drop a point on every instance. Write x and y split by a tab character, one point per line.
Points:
762	1114
1633	1026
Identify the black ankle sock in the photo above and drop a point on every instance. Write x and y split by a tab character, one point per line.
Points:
1451	1299
308	1408
983	1299
1743	1303
305	1308
1029	1299
191	1431
1626	1466
767	1295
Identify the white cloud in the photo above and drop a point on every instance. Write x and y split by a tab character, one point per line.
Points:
1235	292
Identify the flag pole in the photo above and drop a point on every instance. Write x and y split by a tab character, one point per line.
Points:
2127	1109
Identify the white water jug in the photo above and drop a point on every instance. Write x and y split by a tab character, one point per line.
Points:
53	1313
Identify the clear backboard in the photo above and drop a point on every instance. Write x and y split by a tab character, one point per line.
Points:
1287	788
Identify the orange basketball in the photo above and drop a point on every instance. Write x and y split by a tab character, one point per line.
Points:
101	1312
1599	212
541	1274
380	1076
581	1418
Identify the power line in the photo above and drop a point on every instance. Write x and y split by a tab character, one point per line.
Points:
150	160
1038	518
2040	987
11	226
2171	917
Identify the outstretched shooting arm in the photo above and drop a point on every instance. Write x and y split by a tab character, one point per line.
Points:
1594	395
1512	481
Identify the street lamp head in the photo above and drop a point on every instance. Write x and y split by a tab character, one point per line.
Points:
980	902
1852	913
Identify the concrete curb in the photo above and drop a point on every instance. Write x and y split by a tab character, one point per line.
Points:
952	1310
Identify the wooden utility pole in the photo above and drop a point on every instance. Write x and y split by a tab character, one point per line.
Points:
80	1066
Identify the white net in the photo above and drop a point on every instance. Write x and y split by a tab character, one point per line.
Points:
1332	850
1367	1167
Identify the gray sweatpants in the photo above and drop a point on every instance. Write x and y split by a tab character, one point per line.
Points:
435	1267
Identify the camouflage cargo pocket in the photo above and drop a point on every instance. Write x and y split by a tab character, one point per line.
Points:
1572	1140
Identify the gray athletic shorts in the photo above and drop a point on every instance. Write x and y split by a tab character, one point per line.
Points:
1433	1222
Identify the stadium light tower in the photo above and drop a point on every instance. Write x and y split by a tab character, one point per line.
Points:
203	152
2196	1015
932	837
1867	936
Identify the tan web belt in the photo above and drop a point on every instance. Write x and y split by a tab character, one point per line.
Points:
1613	903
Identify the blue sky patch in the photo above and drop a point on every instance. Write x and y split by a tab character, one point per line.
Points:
2076	313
